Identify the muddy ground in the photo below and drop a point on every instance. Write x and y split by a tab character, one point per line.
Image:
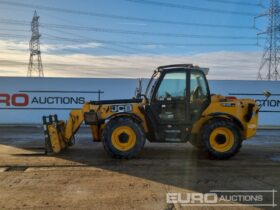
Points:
84	177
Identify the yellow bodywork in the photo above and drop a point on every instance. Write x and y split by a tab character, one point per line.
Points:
61	134
60	140
236	108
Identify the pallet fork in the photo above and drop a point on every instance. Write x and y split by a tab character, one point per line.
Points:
54	134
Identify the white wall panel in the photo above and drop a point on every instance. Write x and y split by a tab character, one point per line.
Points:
26	100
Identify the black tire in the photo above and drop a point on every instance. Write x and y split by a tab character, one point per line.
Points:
219	123
107	138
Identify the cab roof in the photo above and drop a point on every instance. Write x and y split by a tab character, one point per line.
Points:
182	66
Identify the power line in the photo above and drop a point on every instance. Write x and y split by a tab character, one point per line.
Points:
120	31
108	30
124	44
14	22
4	35
120	17
237	3
142	33
189	7
86	38
69	27
51	37
57	38
146	43
11	29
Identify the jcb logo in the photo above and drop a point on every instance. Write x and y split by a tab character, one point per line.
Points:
18	99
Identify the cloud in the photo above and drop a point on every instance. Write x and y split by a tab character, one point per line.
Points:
14	58
24	46
13	45
57	47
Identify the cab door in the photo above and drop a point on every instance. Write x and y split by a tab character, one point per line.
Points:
199	95
170	107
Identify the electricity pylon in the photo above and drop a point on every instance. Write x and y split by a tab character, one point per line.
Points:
271	54
35	66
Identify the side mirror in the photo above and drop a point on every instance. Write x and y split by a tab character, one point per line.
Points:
267	94
138	90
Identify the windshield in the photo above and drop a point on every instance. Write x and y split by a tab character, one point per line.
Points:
152	84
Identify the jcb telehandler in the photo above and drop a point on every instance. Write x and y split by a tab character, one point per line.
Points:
176	107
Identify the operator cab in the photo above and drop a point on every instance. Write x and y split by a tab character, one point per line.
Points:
177	95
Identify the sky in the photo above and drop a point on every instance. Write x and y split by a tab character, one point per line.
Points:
130	38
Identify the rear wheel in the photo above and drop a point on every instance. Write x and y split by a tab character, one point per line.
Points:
123	138
221	138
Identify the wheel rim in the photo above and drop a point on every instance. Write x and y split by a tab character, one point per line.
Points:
222	139
123	138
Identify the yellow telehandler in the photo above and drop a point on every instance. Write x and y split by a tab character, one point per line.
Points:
177	107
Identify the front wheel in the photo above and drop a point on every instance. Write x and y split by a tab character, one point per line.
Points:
123	138
221	138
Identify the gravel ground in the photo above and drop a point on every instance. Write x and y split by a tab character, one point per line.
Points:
84	177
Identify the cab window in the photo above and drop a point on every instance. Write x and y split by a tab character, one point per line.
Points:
172	87
199	95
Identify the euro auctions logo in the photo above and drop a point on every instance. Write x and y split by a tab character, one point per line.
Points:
37	100
192	198
16	100
224	198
